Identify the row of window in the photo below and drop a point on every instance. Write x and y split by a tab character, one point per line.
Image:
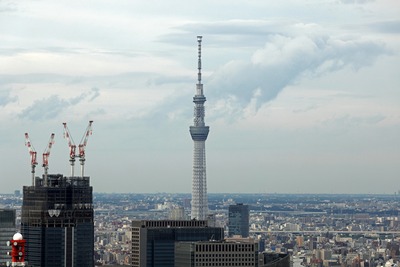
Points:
228	258
226	255
224	247
225	264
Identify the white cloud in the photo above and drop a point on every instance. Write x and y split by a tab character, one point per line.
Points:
5	98
284	60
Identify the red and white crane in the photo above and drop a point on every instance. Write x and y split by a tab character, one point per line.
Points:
72	147
46	155
81	147
32	153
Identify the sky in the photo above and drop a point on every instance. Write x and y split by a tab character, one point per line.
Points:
303	96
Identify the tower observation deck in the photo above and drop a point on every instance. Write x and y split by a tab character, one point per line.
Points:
199	133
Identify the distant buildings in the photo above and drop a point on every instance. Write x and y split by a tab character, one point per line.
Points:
177	213
57	222
238	220
153	242
7	230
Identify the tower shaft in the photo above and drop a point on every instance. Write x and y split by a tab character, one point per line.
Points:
199	133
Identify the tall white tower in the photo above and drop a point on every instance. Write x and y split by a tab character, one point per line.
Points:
199	133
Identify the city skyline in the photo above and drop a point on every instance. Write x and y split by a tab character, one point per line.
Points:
302	96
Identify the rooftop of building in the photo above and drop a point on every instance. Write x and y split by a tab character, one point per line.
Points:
169	223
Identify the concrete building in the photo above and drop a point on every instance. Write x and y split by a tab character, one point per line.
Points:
199	133
238	220
7	230
153	242
229	252
57	222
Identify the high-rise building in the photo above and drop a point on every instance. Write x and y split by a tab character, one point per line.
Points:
238	221
7	230
229	252
57	222
199	133
153	242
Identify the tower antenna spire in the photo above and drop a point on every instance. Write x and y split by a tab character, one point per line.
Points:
199	60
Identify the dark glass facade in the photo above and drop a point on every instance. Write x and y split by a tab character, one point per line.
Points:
57	222
7	230
275	260
153	242
238	222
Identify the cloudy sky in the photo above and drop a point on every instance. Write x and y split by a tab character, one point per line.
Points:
303	96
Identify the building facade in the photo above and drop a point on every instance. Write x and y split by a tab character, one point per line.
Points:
230	252
238	220
272	259
7	230
199	132
57	222
153	242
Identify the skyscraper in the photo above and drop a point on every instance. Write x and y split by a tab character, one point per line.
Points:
57	222
238	223
7	230
199	133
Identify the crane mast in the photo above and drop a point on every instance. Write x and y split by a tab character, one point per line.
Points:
81	147
72	147
32	153
46	155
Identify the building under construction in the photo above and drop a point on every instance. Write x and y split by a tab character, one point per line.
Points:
57	218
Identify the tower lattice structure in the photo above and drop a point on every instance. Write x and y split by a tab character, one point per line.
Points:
199	133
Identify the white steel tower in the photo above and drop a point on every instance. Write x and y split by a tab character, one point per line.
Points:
199	133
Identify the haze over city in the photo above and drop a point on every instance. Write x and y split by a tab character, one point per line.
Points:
302	96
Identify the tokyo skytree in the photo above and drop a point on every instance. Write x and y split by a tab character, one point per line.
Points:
199	133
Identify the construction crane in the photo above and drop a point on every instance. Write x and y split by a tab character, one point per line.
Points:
72	147
81	147
46	155
32	153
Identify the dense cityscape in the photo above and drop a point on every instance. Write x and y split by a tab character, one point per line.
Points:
329	230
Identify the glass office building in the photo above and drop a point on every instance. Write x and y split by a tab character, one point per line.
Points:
7	231
57	222
238	221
